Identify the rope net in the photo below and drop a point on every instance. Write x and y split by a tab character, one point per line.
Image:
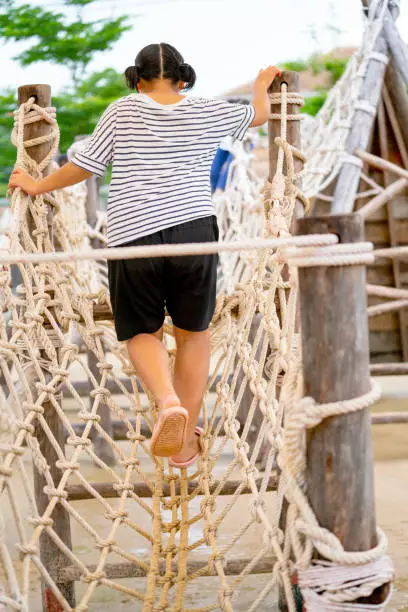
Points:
72	513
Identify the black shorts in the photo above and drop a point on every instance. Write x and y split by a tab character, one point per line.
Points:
141	289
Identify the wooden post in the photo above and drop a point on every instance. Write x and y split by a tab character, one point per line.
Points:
293	137
293	127
335	349
51	556
102	449
349	176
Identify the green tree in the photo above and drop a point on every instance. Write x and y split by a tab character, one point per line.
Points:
79	109
54	37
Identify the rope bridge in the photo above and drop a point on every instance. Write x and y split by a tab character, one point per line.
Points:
140	503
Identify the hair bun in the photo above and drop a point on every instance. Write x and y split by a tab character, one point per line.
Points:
186	72
132	75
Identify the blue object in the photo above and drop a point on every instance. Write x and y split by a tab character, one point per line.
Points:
220	158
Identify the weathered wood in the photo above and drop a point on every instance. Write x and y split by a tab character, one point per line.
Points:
293	127
383	198
396	45
294	138
51	555
393	227
349	175
231	567
107	490
397	94
385	342
389	418
379	309
389	292
335	368
382	164
389	369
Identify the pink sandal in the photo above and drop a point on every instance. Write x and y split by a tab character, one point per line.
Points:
184	464
169	433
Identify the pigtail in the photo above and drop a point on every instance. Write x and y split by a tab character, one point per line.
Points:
132	76
187	75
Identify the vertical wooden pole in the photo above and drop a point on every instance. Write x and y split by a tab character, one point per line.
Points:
102	449
293	127
293	137
51	556
333	308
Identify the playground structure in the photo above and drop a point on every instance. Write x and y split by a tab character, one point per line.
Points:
308	489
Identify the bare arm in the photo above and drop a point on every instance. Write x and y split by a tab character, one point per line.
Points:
260	94
64	177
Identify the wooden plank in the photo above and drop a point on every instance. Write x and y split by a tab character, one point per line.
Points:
394	227
231	567
340	481
391	357
51	556
385	342
387	322
105	489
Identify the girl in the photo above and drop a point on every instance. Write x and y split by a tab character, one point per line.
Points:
161	145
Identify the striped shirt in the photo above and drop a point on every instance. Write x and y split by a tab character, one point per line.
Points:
161	158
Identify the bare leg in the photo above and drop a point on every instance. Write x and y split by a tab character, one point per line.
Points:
151	362
190	380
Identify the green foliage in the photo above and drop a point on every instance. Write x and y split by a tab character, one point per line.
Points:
78	110
52	37
296	66
8	104
335	66
314	103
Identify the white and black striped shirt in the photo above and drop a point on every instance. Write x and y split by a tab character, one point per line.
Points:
161	158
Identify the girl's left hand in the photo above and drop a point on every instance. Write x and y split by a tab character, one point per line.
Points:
21	178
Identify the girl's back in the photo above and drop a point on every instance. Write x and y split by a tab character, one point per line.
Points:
161	156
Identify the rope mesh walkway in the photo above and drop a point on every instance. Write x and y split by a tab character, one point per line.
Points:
166	527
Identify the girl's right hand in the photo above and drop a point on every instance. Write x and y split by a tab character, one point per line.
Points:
265	77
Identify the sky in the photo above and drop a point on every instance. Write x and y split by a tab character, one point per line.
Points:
226	41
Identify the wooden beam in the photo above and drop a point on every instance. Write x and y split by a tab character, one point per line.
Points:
340	482
349	176
396	45
106	489
381	164
389	369
389	418
379	309
51	556
388	292
231	567
383	198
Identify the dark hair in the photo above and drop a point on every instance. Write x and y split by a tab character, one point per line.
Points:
161	61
